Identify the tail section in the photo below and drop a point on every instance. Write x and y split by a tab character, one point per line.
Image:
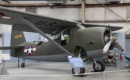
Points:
17	37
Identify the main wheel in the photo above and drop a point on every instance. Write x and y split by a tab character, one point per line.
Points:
78	70
22	65
98	66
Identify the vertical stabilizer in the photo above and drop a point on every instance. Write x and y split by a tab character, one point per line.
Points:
17	37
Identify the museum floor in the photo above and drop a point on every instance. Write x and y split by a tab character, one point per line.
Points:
60	71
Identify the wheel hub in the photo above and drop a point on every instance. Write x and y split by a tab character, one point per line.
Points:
98	66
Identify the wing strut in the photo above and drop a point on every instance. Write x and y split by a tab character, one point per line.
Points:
32	26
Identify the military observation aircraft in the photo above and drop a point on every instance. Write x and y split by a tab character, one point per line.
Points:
69	38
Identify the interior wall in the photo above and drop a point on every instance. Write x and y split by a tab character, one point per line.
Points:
106	14
72	14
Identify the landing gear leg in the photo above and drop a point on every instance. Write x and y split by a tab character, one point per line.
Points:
98	66
23	64
18	62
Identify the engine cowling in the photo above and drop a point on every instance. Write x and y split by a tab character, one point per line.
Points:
91	38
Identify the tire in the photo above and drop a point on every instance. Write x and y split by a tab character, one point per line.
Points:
100	68
79	70
23	65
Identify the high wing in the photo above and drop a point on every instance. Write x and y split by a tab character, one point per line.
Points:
46	24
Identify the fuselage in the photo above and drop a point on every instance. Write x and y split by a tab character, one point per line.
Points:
89	39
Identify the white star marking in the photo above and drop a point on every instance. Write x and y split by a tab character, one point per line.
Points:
30	50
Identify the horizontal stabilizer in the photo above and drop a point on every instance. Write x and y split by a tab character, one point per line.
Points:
11	47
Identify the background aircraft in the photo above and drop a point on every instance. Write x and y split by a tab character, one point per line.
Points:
69	38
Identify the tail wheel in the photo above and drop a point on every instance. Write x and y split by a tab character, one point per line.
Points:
98	66
23	65
78	71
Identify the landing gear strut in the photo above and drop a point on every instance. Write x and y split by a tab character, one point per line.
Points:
98	66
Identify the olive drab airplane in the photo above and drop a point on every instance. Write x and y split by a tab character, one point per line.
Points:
69	38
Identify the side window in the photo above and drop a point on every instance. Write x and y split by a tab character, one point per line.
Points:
65	38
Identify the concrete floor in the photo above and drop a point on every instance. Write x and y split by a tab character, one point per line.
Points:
60	71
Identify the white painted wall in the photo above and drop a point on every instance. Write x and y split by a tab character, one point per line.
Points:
106	14
94	14
72	14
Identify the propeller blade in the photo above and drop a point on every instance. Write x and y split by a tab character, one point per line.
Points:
107	46
119	47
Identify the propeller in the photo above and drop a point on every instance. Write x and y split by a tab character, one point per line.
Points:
108	45
117	45
111	44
